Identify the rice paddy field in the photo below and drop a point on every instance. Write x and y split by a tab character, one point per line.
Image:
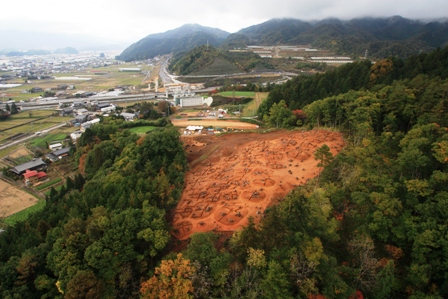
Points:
23	123
95	79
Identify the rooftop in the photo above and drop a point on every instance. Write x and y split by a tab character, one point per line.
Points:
35	163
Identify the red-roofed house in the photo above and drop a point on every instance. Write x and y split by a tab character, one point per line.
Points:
32	176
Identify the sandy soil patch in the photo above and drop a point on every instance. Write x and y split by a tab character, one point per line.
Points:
235	176
13	200
214	123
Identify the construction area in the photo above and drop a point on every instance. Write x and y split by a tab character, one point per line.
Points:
236	176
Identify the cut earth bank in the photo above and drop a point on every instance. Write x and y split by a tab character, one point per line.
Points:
236	176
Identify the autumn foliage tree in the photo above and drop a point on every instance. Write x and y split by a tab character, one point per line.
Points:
171	280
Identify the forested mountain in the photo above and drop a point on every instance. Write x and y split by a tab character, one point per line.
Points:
373	224
181	39
275	31
382	37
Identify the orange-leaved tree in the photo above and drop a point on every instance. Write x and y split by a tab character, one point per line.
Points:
171	280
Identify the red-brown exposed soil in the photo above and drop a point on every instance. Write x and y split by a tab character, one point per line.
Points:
235	176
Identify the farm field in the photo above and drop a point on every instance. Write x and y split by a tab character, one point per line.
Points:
24	214
13	199
112	77
246	94
22	123
236	176
41	141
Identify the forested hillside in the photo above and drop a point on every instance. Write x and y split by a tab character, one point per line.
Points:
97	237
180	39
372	224
303	90
382	37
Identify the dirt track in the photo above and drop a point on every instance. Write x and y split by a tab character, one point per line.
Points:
235	176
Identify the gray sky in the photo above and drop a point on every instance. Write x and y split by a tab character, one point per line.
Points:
128	21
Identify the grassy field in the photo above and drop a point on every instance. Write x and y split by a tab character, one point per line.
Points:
142	130
251	108
42	140
246	94
24	214
48	184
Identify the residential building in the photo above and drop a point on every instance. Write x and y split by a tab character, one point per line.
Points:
128	116
35	164
33	176
58	154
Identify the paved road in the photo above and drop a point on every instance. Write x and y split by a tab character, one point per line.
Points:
9	144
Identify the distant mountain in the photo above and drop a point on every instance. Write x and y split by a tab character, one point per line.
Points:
29	53
275	31
236	40
183	38
189	29
68	50
382	37
25	40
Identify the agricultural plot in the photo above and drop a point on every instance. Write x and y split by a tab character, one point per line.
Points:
43	140
21	124
110	77
237	176
24	214
13	200
246	94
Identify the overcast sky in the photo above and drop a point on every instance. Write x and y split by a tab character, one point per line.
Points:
130	20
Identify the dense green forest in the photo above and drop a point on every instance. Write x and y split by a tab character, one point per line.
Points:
177	40
373	224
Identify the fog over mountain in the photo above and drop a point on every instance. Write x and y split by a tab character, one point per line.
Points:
25	40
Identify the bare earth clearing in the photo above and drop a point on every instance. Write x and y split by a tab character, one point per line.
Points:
235	176
214	123
13	200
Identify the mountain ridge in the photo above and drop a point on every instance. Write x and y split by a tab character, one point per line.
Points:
396	36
